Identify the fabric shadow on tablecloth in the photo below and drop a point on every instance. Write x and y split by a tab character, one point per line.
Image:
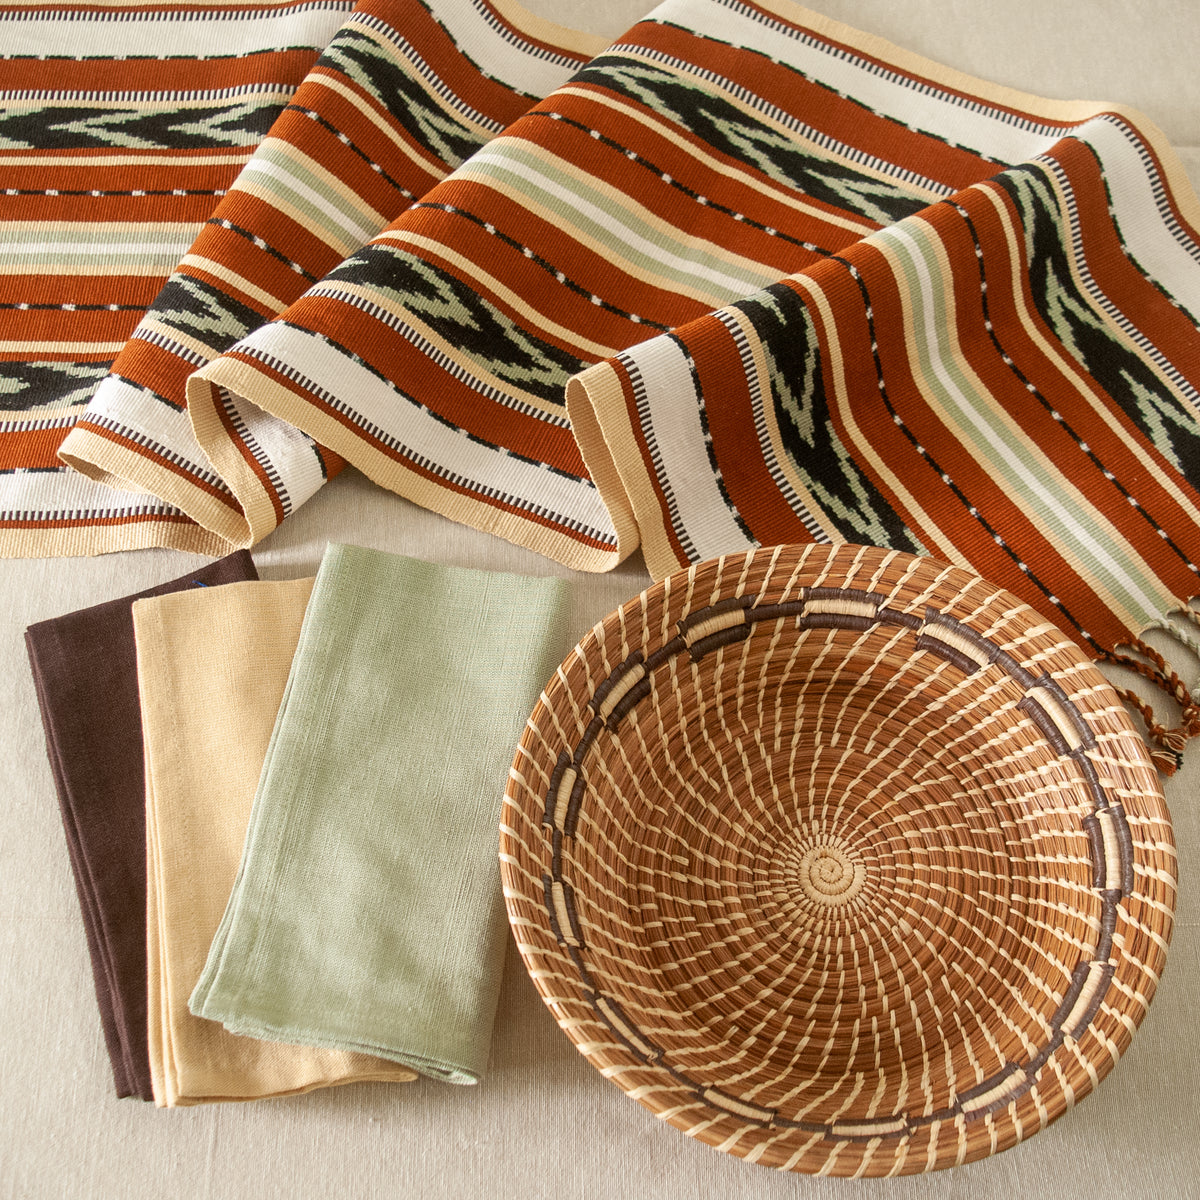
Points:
367	912
212	667
128	171
85	670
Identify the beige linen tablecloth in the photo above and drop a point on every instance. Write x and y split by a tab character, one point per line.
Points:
544	1123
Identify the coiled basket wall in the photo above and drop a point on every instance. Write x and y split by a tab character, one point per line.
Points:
840	860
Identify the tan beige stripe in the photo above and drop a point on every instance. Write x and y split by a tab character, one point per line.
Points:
596	409
127	158
80	541
541	30
274	304
28	349
117	270
110	462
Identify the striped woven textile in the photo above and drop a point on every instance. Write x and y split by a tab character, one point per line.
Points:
121	127
983	347
193	169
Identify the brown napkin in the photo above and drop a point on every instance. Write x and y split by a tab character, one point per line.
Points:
85	671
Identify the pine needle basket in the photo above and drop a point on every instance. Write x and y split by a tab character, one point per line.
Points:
840	860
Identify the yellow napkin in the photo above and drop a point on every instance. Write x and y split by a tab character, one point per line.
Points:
212	666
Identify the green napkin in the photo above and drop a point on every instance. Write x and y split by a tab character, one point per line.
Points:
367	913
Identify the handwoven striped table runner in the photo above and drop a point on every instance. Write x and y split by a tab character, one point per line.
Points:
984	346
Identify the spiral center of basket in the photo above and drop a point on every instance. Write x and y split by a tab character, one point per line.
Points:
829	876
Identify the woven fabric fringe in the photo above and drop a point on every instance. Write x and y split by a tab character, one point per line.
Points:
984	345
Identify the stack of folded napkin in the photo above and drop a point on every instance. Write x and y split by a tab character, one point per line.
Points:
324	766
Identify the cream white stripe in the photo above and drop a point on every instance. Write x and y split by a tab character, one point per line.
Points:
674	421
140	411
101	34
989	131
378	404
493	53
28	494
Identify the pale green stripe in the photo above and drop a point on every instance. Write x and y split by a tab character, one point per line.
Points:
328	207
84	246
610	223
1086	538
130	234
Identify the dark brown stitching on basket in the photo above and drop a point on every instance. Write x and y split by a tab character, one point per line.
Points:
571	934
987	1085
1041	718
893	616
854	595
614	1018
1091	826
572	818
1052	686
1108	924
1088	768
675	646
775	612
725	637
629	701
1009	665
836	621
584	973
684	624
1106	973
551	912
585	742
926	641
